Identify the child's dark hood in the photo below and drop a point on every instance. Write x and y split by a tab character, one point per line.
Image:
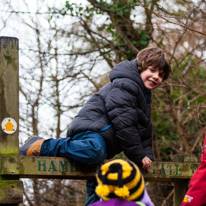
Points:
127	69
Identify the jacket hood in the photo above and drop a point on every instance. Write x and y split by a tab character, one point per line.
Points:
127	69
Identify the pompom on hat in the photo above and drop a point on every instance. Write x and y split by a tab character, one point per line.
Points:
120	179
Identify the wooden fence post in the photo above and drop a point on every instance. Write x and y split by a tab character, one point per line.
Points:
181	185
11	189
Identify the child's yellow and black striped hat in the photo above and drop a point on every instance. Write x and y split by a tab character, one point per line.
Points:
120	179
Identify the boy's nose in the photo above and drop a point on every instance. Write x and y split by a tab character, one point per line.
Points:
156	75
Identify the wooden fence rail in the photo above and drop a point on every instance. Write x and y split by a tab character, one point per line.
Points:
62	168
13	166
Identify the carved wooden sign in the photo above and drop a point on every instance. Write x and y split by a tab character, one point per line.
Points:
55	167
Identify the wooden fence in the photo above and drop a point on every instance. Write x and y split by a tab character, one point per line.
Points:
13	167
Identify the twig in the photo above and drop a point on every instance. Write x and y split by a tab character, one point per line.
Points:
167	198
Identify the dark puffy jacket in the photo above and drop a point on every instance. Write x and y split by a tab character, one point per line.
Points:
120	113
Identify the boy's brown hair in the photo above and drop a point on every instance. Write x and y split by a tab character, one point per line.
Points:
156	58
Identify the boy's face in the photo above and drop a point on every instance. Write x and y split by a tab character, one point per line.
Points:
152	77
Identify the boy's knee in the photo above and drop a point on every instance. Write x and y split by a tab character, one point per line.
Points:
98	155
101	155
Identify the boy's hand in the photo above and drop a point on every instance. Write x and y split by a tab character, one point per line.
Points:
146	163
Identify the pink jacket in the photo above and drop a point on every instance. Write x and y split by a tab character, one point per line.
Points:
196	194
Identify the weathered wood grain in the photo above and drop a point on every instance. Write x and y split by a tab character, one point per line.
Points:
11	192
9	93
56	167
